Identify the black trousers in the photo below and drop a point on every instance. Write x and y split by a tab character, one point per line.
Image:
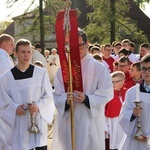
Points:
107	144
40	148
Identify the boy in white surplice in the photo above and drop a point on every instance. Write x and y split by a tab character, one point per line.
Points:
130	112
21	85
88	105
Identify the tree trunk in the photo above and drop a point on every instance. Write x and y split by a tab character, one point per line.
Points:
112	23
41	26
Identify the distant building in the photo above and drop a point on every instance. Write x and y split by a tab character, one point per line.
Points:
23	27
142	20
10	29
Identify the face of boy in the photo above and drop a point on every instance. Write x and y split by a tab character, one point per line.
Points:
126	45
124	66
117	48
117	83
24	54
146	74
144	51
133	71
82	47
9	46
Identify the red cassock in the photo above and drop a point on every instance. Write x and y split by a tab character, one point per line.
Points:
127	77
113	107
131	83
109	61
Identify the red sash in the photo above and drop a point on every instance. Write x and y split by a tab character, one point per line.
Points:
74	50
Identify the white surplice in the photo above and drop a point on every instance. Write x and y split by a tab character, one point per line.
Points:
16	92
128	143
37	56
89	123
5	65
52	69
134	57
115	131
5	62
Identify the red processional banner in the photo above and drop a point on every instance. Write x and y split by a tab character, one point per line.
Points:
74	49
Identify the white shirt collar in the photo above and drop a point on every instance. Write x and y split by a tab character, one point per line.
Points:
147	87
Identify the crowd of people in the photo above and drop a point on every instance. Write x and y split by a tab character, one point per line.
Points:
32	92
126	70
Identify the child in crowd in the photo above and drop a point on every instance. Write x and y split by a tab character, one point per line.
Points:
100	59
39	63
123	52
135	74
112	110
129	112
124	66
115	66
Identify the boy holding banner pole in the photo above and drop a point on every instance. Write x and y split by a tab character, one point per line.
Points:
88	102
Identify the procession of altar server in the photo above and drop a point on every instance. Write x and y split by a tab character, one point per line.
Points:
104	110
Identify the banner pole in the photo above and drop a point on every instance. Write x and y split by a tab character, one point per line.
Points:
70	87
68	42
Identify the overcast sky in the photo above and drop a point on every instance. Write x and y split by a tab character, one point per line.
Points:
17	9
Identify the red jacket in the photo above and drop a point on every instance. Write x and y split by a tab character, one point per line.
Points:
131	83
127	77
109	61
113	107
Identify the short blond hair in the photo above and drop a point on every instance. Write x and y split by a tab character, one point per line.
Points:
118	74
46	51
5	37
54	49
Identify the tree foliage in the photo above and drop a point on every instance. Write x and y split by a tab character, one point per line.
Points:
4	25
100	19
50	10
